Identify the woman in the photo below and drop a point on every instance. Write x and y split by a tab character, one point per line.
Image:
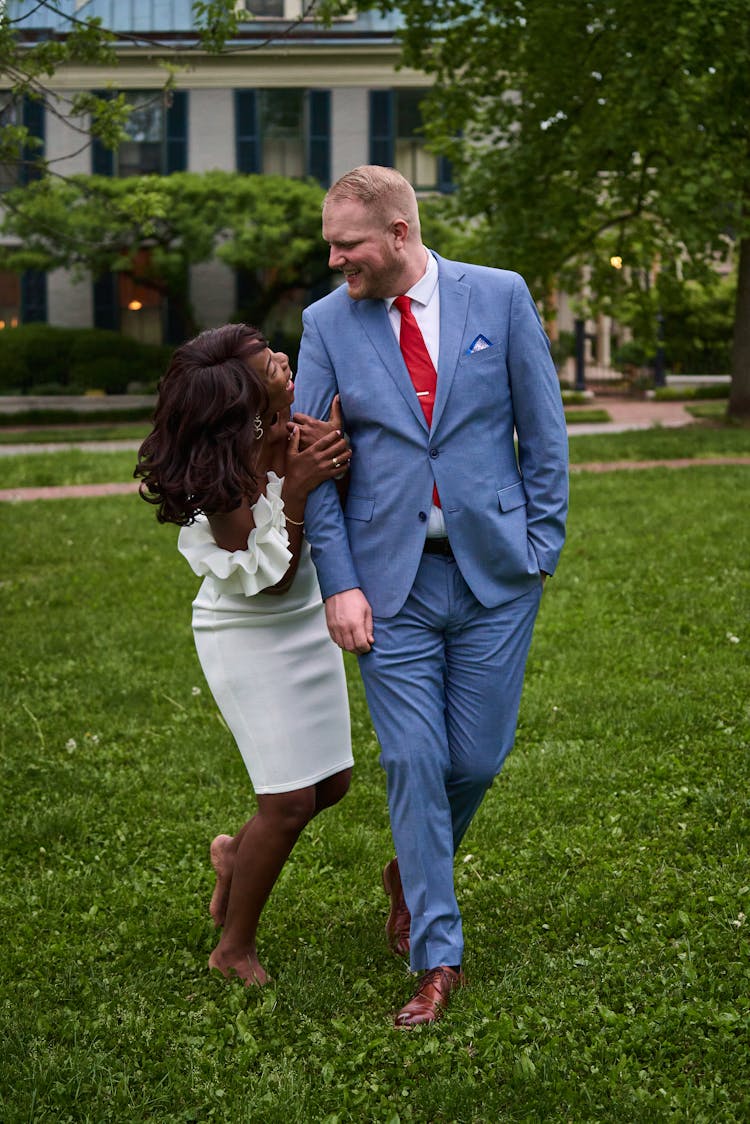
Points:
223	462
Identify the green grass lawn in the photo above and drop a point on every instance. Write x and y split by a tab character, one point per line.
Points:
43	435
595	415
712	410
81	466
604	883
660	443
136	431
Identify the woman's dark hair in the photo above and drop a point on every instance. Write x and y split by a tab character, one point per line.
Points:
201	453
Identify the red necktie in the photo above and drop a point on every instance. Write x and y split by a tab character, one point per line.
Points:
418	362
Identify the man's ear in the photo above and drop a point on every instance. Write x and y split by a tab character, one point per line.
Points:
400	230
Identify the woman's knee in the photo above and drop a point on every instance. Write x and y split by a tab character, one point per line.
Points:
288	811
329	791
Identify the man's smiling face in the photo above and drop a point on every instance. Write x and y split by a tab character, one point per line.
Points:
364	249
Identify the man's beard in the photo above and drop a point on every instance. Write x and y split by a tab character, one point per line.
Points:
385	283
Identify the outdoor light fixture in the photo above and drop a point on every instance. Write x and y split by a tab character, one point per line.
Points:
616	261
135	306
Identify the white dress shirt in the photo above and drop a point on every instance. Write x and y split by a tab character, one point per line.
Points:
425	298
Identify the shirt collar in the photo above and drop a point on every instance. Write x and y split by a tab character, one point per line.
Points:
422	292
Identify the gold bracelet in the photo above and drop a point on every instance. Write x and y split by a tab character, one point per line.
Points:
294	521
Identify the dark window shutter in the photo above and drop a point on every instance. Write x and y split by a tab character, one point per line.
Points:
445	176
33	296
102	159
174	325
382	144
319	136
246	131
33	117
106	312
177	133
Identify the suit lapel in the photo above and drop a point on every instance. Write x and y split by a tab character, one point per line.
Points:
374	320
454	305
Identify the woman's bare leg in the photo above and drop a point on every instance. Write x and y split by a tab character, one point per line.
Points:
222	852
262	847
224	847
329	791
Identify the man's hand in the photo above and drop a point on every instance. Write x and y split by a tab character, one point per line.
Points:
312	429
349	618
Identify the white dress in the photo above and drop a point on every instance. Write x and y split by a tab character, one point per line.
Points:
277	677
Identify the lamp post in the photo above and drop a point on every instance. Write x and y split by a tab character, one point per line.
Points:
580	341
659	375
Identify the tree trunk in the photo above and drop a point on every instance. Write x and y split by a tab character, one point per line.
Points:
739	394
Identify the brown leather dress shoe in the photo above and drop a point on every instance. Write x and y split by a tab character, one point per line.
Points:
398	925
431	997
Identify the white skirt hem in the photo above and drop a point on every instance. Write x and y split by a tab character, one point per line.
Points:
308	782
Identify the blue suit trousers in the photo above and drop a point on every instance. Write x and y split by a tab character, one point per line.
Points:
443	683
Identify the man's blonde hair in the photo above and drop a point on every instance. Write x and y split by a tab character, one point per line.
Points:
383	190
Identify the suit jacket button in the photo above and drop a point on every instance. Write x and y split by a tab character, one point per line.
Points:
434	453
423	517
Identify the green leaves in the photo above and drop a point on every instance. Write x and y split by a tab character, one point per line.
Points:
576	127
95	224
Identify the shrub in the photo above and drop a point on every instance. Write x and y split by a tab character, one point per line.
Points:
630	354
75	360
563	348
573	397
49	416
684	393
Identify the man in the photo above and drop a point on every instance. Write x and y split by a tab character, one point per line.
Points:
433	572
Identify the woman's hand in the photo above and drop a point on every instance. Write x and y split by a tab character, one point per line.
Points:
312	429
277	430
324	459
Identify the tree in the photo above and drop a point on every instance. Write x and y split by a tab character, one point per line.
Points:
29	61
156	227
605	128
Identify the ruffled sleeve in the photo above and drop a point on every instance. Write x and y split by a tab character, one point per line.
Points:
264	561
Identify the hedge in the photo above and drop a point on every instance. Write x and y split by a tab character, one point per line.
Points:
41	359
686	393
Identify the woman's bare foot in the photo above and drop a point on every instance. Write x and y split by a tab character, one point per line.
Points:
246	967
222	860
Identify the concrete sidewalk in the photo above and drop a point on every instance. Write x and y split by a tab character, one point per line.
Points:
630	413
626	413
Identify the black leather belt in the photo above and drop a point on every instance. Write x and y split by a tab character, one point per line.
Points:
438	546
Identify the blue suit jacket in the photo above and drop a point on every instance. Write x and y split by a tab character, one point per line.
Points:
504	512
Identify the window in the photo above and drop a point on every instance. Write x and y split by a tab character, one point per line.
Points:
281	114
23	298
10	299
411	158
397	139
8	168
288	10
143	153
123	302
15	171
270	9
156	137
284	132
